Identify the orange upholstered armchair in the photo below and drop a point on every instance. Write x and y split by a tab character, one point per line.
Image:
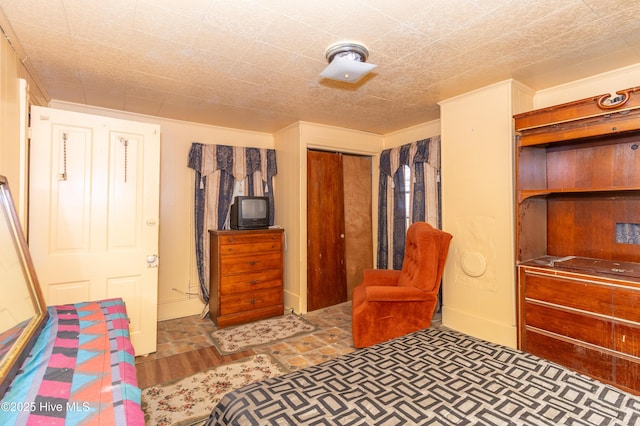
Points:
390	303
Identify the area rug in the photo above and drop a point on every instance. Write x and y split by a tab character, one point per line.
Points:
246	336
190	400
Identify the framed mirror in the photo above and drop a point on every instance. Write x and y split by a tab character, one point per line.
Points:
23	312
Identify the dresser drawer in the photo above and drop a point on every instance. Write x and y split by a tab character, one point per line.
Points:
251	300
572	293
258	247
598	364
595	330
626	303
627	338
249	316
627	374
269	278
250	263
246	237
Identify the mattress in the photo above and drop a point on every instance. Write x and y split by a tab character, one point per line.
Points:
80	371
430	377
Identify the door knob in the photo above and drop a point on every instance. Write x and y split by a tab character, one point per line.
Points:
152	261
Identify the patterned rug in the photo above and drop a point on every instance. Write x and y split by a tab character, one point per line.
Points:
242	337
190	400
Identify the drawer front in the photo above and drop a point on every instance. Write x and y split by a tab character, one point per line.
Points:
250	263
249	316
597	331
627	339
575	294
627	374
585	360
257	247
626	303
246	237
270	278
241	302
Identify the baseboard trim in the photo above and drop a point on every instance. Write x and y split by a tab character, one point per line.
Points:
179	309
482	328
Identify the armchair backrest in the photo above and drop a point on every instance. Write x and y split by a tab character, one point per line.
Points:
425	254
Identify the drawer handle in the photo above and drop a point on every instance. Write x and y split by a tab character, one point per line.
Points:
253	262
230	239
252	282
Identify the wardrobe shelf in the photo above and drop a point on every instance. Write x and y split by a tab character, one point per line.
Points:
525	194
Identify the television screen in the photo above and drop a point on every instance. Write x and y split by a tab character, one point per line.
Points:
249	212
254	208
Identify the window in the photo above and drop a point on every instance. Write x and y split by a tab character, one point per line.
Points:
407	195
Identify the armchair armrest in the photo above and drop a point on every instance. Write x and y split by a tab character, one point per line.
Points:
397	294
380	277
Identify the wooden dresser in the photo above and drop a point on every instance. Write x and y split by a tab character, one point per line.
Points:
246	276
578	235
584	321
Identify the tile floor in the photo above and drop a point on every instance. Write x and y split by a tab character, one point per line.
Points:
182	335
332	338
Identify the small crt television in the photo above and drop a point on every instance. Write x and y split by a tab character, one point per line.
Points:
249	212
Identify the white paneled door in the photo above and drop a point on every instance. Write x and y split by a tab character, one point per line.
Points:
93	213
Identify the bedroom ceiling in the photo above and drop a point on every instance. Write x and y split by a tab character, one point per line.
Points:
255	64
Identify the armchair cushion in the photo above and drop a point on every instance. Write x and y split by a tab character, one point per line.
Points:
382	277
395	294
390	303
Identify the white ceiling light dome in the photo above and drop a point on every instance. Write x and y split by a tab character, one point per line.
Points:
347	62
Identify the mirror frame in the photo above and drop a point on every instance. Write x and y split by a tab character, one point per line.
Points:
13	358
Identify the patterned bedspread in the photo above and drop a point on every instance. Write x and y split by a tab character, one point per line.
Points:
81	370
434	377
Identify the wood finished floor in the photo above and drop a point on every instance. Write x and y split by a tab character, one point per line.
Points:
180	365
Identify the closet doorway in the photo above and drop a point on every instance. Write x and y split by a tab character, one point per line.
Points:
339	225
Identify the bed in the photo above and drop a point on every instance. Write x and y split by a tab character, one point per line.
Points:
80	370
433	376
62	365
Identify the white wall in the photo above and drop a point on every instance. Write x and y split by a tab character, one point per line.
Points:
291	163
411	134
478	210
611	82
16	87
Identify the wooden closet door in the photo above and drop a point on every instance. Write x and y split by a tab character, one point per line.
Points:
356	174
326	269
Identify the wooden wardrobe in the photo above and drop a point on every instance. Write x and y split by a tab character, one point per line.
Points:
578	221
339	226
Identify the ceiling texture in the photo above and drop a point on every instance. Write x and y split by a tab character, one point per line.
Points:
256	64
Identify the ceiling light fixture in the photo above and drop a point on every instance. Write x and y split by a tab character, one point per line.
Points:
347	62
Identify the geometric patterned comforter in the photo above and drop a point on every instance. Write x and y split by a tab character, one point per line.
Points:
430	377
81	371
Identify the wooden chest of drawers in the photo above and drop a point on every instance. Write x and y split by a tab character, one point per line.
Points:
588	323
246	276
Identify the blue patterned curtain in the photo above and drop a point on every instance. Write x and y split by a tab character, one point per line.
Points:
217	168
423	159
